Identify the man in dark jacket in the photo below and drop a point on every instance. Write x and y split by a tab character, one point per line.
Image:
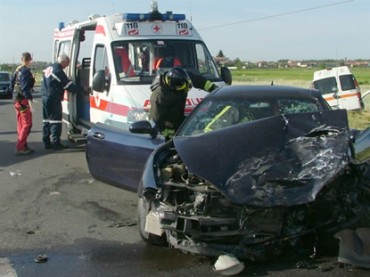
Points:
22	85
54	83
168	98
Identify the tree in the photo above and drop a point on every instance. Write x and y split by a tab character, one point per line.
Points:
238	63
220	54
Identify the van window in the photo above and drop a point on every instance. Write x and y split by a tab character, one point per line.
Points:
139	61
205	65
347	82
327	85
101	60
64	48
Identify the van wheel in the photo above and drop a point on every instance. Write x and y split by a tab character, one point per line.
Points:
142	212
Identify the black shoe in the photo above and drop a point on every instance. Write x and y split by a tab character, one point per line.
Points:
25	151
59	146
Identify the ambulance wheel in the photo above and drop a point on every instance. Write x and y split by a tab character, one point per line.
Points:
142	212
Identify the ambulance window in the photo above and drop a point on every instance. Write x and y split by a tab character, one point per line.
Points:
347	82
55	50
64	48
101	60
122	54
327	85
206	66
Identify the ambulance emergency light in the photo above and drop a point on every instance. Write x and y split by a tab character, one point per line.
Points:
153	16
60	26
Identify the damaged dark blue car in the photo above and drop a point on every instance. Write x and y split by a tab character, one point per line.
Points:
252	171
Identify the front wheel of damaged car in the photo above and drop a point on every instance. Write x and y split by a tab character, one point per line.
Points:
143	209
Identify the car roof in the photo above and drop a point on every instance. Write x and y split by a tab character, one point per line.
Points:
258	91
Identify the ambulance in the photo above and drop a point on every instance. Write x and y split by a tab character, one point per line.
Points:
339	87
115	58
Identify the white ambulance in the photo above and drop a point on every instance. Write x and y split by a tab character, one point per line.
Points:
339	87
115	58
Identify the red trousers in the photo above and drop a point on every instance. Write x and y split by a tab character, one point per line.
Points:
24	123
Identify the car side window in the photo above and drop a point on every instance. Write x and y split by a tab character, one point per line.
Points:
289	106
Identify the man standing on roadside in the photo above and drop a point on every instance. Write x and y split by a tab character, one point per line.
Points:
22	85
54	83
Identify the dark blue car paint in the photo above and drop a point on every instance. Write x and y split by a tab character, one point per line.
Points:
116	156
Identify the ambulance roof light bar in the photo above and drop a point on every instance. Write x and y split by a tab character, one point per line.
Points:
153	15
168	16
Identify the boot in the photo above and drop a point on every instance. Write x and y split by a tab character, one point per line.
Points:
351	249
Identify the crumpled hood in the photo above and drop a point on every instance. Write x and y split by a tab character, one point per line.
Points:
277	161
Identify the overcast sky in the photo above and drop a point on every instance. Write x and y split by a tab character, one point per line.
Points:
251	30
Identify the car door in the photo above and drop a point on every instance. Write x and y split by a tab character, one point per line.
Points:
116	156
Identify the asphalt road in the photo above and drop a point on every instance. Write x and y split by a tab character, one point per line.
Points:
50	205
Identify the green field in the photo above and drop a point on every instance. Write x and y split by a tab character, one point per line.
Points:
292	76
302	77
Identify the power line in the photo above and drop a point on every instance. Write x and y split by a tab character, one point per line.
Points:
276	15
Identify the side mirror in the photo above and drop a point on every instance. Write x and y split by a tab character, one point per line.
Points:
143	127
226	75
99	82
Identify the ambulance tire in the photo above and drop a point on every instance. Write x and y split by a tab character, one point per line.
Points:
142	212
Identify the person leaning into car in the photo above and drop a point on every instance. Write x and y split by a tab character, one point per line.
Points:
22	85
168	98
55	81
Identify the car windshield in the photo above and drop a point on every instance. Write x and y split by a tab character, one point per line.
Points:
4	77
214	113
139	61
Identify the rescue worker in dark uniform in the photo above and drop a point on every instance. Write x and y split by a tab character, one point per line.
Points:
22	85
168	98
55	81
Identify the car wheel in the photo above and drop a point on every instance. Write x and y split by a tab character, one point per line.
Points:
142	212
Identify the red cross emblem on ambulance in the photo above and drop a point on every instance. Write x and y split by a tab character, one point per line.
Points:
156	28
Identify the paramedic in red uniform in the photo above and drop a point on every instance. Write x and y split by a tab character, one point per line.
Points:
22	84
55	81
168	98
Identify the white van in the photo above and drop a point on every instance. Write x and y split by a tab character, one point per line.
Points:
339	87
115	58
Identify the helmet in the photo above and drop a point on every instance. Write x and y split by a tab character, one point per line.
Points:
178	79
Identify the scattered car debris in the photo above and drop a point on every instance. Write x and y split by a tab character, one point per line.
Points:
42	258
354	247
228	265
15	173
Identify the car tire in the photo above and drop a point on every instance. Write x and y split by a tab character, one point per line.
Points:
142	212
